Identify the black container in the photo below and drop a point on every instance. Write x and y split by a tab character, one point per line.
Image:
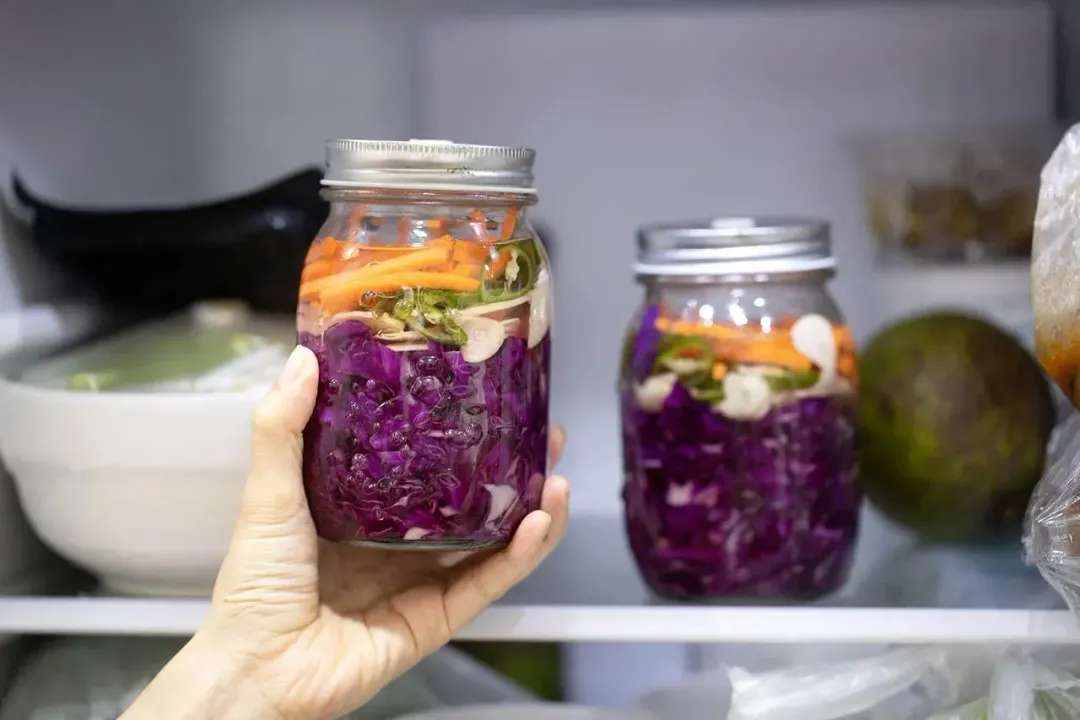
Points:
249	247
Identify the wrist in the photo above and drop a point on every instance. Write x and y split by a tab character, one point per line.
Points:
202	681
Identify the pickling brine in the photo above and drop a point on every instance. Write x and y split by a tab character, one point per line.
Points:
429	310
737	398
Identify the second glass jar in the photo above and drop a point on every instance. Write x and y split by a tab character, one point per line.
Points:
737	396
427	299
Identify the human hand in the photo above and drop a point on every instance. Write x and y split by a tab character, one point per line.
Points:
303	628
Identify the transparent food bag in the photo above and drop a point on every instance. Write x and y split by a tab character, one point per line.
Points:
868	683
1055	266
900	684
1052	525
1024	688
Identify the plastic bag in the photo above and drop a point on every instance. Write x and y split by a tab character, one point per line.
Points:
1052	524
1024	688
1055	266
98	678
904	683
869	684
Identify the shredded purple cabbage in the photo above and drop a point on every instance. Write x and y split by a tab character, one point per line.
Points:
722	508
645	344
421	447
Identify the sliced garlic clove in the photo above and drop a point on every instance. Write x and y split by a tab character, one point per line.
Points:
492	308
746	397
651	394
512	267
394	336
812	336
406	347
685	366
503	498
375	322
541	308
484	337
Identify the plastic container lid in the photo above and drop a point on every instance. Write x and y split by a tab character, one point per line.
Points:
735	246
429	165
215	347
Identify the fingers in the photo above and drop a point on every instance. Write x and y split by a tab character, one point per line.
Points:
556	442
481	584
274	492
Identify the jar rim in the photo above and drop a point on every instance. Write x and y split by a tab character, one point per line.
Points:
735	245
439	165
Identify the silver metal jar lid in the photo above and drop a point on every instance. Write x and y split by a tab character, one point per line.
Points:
735	246
428	165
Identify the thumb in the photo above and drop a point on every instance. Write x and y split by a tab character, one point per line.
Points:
274	493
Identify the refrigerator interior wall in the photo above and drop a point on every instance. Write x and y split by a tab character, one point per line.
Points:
649	115
186	102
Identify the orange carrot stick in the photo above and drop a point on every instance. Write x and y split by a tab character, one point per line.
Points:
347	296
415	260
323	249
478	221
316	270
847	367
466	269
498	265
762	352
689	327
509	224
469	251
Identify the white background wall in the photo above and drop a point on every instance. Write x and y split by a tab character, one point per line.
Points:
638	114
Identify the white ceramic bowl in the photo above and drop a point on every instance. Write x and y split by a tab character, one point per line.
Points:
27	333
139	489
525	711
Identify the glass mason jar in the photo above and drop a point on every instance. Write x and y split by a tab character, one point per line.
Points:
427	299
737	396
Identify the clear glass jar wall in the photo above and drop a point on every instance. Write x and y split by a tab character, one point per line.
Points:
427	299
738	415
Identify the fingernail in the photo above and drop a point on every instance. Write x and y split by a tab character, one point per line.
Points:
294	368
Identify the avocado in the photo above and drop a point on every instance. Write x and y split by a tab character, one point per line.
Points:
954	418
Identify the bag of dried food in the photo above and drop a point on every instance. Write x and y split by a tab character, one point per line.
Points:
1055	266
1052	526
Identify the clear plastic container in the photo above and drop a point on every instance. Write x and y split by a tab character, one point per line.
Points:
427	299
738	410
962	195
218	346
